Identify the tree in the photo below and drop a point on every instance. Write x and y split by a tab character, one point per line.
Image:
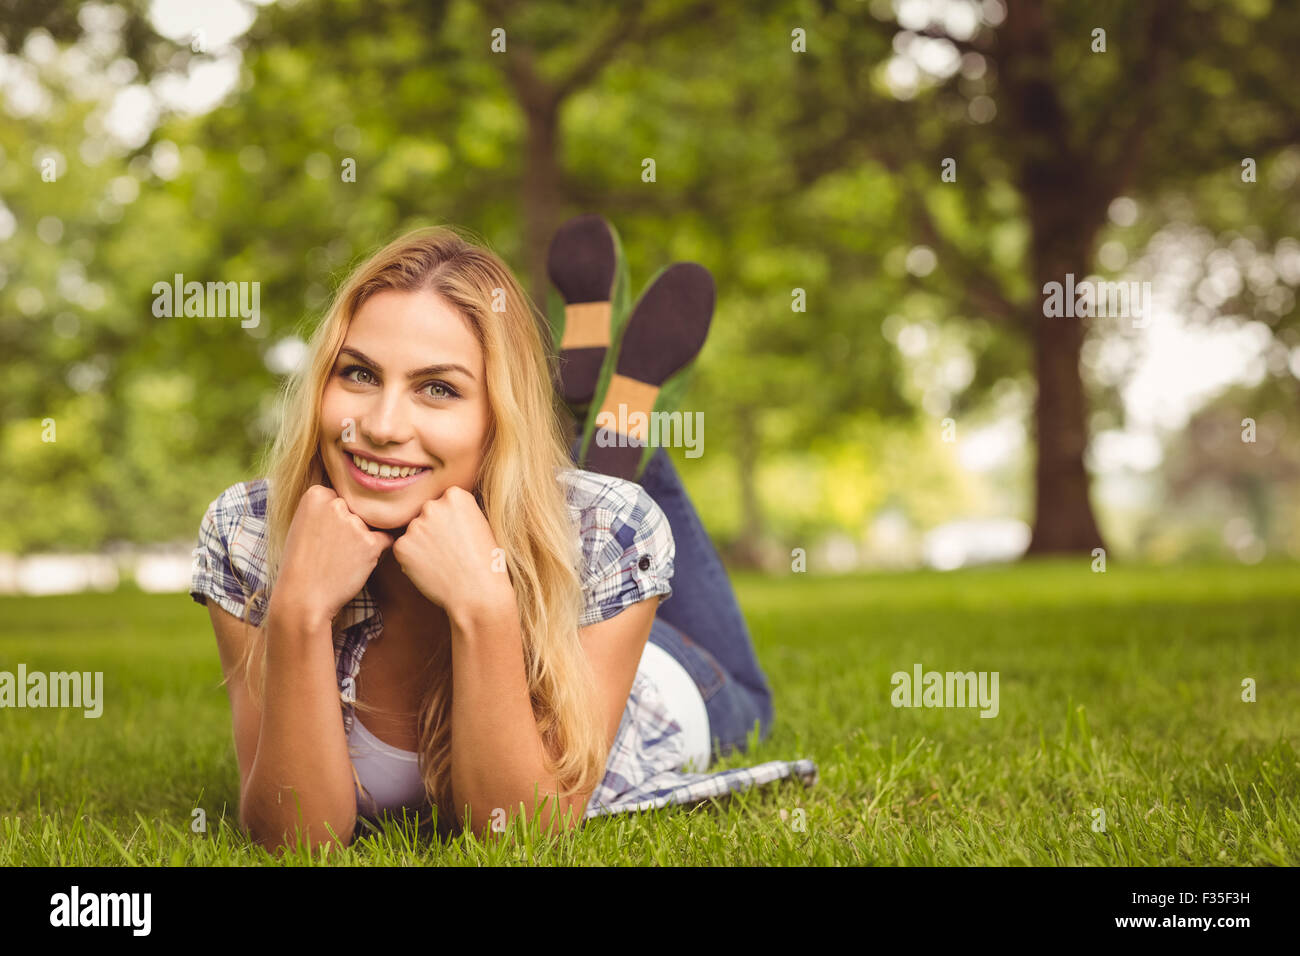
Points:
1091	103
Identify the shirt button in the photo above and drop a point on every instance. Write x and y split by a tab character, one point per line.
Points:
644	563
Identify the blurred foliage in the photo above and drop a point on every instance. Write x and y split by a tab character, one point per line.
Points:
779	172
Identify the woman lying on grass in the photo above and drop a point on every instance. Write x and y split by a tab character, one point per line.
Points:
423	551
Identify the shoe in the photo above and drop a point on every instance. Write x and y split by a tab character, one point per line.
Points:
662	336
586	266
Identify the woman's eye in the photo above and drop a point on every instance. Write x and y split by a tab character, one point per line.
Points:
447	390
347	372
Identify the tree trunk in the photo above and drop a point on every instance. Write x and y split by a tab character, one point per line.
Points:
1063	516
1066	206
541	195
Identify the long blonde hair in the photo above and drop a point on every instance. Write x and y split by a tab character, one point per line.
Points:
518	488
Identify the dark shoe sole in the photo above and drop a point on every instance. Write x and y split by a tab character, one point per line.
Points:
668	325
582	263
665	331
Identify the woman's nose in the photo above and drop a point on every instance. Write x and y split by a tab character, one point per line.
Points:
386	421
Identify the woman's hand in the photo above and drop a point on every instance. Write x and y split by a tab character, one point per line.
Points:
329	555
451	555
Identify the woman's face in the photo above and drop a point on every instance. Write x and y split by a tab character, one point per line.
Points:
408	388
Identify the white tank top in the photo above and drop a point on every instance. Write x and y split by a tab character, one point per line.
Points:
392	775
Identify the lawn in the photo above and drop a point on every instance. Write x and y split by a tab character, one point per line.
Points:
1119	692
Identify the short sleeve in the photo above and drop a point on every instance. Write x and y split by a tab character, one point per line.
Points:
631	552
223	570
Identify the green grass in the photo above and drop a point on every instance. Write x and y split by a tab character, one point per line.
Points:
1119	690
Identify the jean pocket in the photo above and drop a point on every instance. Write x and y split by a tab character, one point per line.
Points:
705	671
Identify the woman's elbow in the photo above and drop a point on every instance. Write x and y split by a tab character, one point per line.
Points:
336	831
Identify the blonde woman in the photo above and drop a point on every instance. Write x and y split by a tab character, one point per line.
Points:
423	559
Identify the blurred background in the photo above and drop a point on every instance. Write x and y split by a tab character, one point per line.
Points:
881	189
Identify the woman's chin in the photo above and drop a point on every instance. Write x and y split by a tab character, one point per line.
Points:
385	523
381	519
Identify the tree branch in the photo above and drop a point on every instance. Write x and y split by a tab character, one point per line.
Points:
978	287
602	51
539	93
534	93
627	28
1116	172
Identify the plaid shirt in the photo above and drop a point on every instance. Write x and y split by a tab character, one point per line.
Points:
627	556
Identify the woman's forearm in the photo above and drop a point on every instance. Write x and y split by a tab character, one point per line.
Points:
301	779
498	756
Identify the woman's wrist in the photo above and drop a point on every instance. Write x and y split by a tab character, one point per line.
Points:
290	611
485	610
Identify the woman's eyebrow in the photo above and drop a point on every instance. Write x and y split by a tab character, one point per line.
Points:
418	373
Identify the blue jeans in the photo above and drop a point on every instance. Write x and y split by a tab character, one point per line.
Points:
700	625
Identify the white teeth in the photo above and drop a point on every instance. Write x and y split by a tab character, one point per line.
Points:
384	471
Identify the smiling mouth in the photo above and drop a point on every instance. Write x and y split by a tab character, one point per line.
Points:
374	469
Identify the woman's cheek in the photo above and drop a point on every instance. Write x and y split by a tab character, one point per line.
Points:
333	413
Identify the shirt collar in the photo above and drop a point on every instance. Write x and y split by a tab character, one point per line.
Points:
360	609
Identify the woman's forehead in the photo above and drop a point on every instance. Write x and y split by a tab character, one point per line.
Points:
412	330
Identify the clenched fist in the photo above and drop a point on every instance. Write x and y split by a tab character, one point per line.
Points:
329	555
451	555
